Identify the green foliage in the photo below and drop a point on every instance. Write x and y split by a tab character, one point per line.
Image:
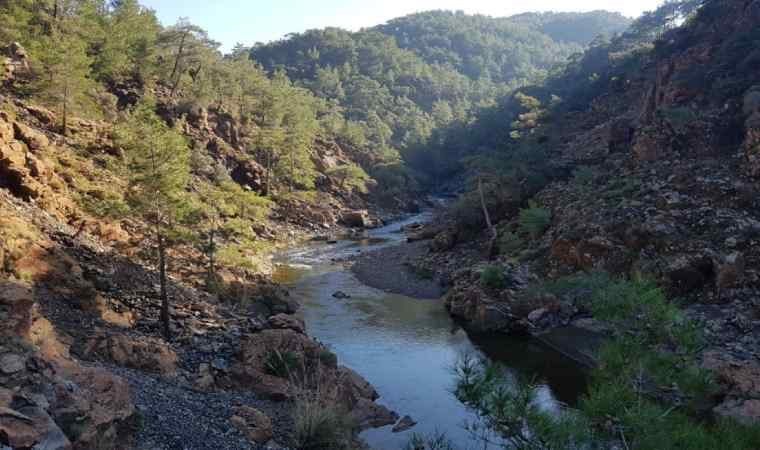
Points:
534	220
62	64
510	408
510	243
281	364
642	391
493	277
321	425
436	441
400	84
158	166
350	177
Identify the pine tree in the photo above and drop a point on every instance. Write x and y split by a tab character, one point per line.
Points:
226	212
127	50
158	167
60	58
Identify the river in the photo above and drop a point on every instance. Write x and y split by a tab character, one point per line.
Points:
407	347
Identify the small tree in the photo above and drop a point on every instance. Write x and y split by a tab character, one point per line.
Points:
158	167
227	213
62	66
350	176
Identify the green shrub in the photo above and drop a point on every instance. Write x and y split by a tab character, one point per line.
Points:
584	176
510	243
493	277
321	425
436	441
328	358
534	220
281	364
643	393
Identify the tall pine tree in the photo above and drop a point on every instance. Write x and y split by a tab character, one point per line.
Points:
159	170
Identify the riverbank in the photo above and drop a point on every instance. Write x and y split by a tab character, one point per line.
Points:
390	269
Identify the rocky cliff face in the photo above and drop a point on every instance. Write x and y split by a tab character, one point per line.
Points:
670	190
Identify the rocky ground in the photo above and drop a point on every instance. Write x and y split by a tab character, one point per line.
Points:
390	269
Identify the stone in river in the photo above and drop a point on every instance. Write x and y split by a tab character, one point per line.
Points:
404	424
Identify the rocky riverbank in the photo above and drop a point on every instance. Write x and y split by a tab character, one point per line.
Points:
82	366
390	270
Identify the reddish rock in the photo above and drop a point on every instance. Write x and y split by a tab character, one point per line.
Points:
287	322
145	354
253	424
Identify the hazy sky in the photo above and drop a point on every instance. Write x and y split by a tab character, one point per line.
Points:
251	21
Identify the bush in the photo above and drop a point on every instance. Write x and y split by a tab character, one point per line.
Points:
510	243
436	441
321	425
281	364
534	220
493	277
646	387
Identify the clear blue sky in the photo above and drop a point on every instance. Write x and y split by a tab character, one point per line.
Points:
251	21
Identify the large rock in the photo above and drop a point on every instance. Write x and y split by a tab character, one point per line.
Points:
253	424
34	139
312	367
54	403
270	299
287	322
355	218
741	382
146	354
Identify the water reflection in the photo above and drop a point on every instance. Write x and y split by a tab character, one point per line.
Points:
407	348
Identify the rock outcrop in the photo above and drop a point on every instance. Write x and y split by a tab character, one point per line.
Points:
47	399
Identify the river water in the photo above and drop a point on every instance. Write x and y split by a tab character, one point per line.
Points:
407	347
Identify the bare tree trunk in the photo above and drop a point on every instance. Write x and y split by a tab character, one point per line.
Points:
64	125
211	259
174	77
268	187
489	224
164	294
292	169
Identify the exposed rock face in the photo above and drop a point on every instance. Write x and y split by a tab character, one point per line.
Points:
355	219
16	62
150	355
254	424
48	400
741	380
303	359
287	322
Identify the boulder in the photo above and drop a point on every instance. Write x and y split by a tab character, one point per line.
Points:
11	363
250	174
404	424
146	354
31	427
368	414
93	407
271	299
688	272
35	140
16	309
287	322
253	424
730	271
355	218
444	241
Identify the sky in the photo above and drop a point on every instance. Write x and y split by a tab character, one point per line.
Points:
251	21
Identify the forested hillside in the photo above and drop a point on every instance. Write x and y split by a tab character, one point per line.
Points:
398	83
